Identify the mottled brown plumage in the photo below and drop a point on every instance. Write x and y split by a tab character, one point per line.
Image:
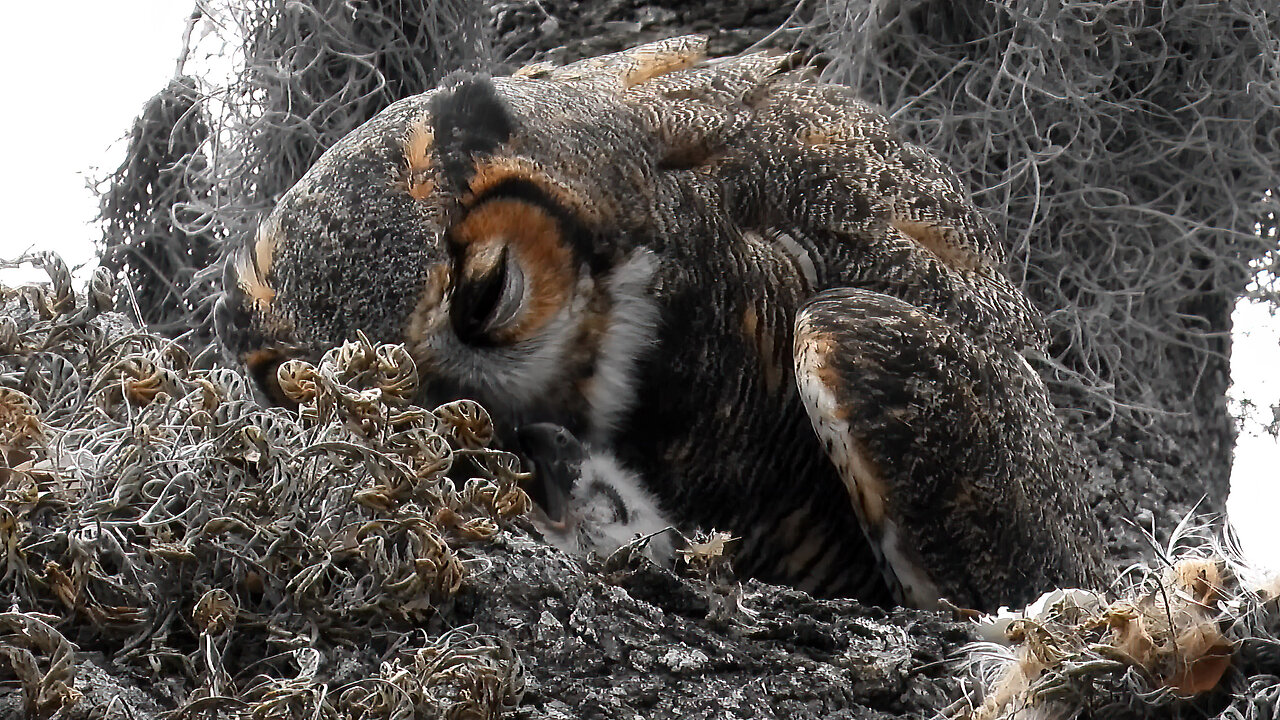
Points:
693	264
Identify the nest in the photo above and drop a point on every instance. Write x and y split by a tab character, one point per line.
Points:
313	561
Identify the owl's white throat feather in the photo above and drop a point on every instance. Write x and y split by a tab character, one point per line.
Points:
508	376
630	333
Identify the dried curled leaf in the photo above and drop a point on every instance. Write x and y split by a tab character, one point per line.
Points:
211	395
63	299
466	423
139	380
428	453
19	420
10	340
297	379
215	612
456	675
339	515
706	550
37	300
52	690
1163	639
102	292
477	529
351	358
396	374
502	500
412	557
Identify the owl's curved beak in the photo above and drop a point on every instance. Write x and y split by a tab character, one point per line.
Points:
556	457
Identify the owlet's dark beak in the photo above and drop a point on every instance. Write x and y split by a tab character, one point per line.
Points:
557	457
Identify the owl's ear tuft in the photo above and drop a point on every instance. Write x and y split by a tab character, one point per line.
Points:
468	119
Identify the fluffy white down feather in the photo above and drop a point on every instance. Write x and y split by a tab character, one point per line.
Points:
608	508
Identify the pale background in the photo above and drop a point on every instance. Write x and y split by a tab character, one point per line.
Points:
79	73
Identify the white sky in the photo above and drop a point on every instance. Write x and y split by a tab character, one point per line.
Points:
67	116
65	111
1254	505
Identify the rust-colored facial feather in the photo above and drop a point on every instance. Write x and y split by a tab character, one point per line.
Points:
262	364
253	265
497	171
247	316
419	169
531	237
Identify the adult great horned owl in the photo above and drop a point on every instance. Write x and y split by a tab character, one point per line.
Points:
789	321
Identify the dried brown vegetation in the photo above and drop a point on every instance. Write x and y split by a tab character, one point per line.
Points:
1182	638
363	557
160	510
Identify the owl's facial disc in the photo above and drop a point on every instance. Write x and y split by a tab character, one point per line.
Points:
513	272
497	320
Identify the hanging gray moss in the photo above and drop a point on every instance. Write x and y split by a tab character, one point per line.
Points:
315	70
156	237
1128	151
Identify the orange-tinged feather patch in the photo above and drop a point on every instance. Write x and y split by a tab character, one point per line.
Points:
533	71
773	368
492	172
750	322
862	474
651	65
535	240
252	266
258	292
483	256
264	248
934	240
819	347
871	489
421	188
824	135
417	147
431	311
417	158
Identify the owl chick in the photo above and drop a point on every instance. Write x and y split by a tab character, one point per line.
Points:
740	282
588	504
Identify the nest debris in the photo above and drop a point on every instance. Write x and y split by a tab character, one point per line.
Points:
273	563
1203	632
